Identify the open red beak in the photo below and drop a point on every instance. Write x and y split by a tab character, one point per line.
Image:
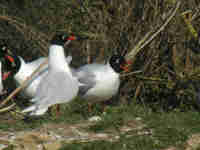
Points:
126	66
10	58
71	38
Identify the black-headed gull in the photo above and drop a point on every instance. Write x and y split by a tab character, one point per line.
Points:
58	86
101	81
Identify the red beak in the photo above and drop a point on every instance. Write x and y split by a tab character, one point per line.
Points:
71	38
10	58
5	75
128	62
126	66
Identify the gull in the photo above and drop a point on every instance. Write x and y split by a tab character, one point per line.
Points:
59	85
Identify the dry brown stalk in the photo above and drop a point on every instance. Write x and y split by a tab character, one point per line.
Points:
147	38
7	108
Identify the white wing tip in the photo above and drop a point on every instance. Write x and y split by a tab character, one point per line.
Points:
34	111
33	100
39	112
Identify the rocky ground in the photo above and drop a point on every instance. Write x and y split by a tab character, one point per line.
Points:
52	136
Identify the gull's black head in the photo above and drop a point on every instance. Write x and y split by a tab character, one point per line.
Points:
62	39
11	63
6	59
118	63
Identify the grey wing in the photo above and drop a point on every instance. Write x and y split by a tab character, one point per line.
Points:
87	80
73	71
68	59
57	87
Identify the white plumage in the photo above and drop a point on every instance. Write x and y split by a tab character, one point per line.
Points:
100	81
58	86
25	69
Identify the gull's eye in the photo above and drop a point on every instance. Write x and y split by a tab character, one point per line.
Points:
63	37
4	48
117	61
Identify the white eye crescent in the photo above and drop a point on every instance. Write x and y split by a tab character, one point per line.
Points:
64	37
3	48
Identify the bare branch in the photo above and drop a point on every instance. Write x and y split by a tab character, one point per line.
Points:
7	108
142	42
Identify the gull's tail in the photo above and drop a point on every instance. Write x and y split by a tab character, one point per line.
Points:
29	109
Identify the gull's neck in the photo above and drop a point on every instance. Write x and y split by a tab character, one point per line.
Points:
109	67
57	58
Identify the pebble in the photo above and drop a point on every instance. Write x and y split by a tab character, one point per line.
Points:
95	118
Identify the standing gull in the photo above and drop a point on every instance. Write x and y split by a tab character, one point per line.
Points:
101	81
59	86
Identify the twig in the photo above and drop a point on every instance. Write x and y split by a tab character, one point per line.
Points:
88	51
7	108
187	17
130	73
138	47
151	78
23	85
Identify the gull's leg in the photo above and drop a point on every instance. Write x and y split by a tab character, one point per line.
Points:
57	110
89	107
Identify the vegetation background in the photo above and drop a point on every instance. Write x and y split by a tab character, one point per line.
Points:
169	79
28	25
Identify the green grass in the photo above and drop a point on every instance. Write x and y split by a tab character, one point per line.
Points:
138	143
73	112
167	128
